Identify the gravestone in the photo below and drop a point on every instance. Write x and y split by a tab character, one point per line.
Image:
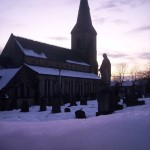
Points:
24	106
105	102
43	104
132	100
2	104
83	101
80	114
13	104
117	97
67	110
56	105
73	101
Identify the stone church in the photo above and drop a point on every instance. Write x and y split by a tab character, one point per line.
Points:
31	69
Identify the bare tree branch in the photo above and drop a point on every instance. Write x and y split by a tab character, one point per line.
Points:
121	72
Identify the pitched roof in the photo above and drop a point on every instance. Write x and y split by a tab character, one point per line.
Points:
6	75
65	73
39	49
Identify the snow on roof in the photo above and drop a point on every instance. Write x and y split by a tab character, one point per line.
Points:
66	73
6	75
79	63
30	52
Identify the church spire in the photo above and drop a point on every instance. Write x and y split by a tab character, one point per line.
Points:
84	22
83	37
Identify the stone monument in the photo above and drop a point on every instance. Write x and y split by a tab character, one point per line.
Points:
105	70
105	97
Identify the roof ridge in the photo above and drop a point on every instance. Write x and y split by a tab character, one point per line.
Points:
32	40
49	51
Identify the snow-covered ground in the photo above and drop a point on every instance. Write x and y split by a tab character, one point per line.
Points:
127	129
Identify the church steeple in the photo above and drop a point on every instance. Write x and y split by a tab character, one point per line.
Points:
84	22
83	36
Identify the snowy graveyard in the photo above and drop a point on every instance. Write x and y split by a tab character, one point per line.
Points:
126	129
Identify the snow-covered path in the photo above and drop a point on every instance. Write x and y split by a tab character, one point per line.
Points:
127	129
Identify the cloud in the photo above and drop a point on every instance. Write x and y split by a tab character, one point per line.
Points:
114	54
140	29
106	5
120	21
101	20
72	2
144	55
118	55
117	5
7	22
58	38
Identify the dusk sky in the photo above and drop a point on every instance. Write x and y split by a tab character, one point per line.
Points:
123	26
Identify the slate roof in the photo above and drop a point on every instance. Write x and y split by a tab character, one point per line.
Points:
6	75
50	51
64	73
